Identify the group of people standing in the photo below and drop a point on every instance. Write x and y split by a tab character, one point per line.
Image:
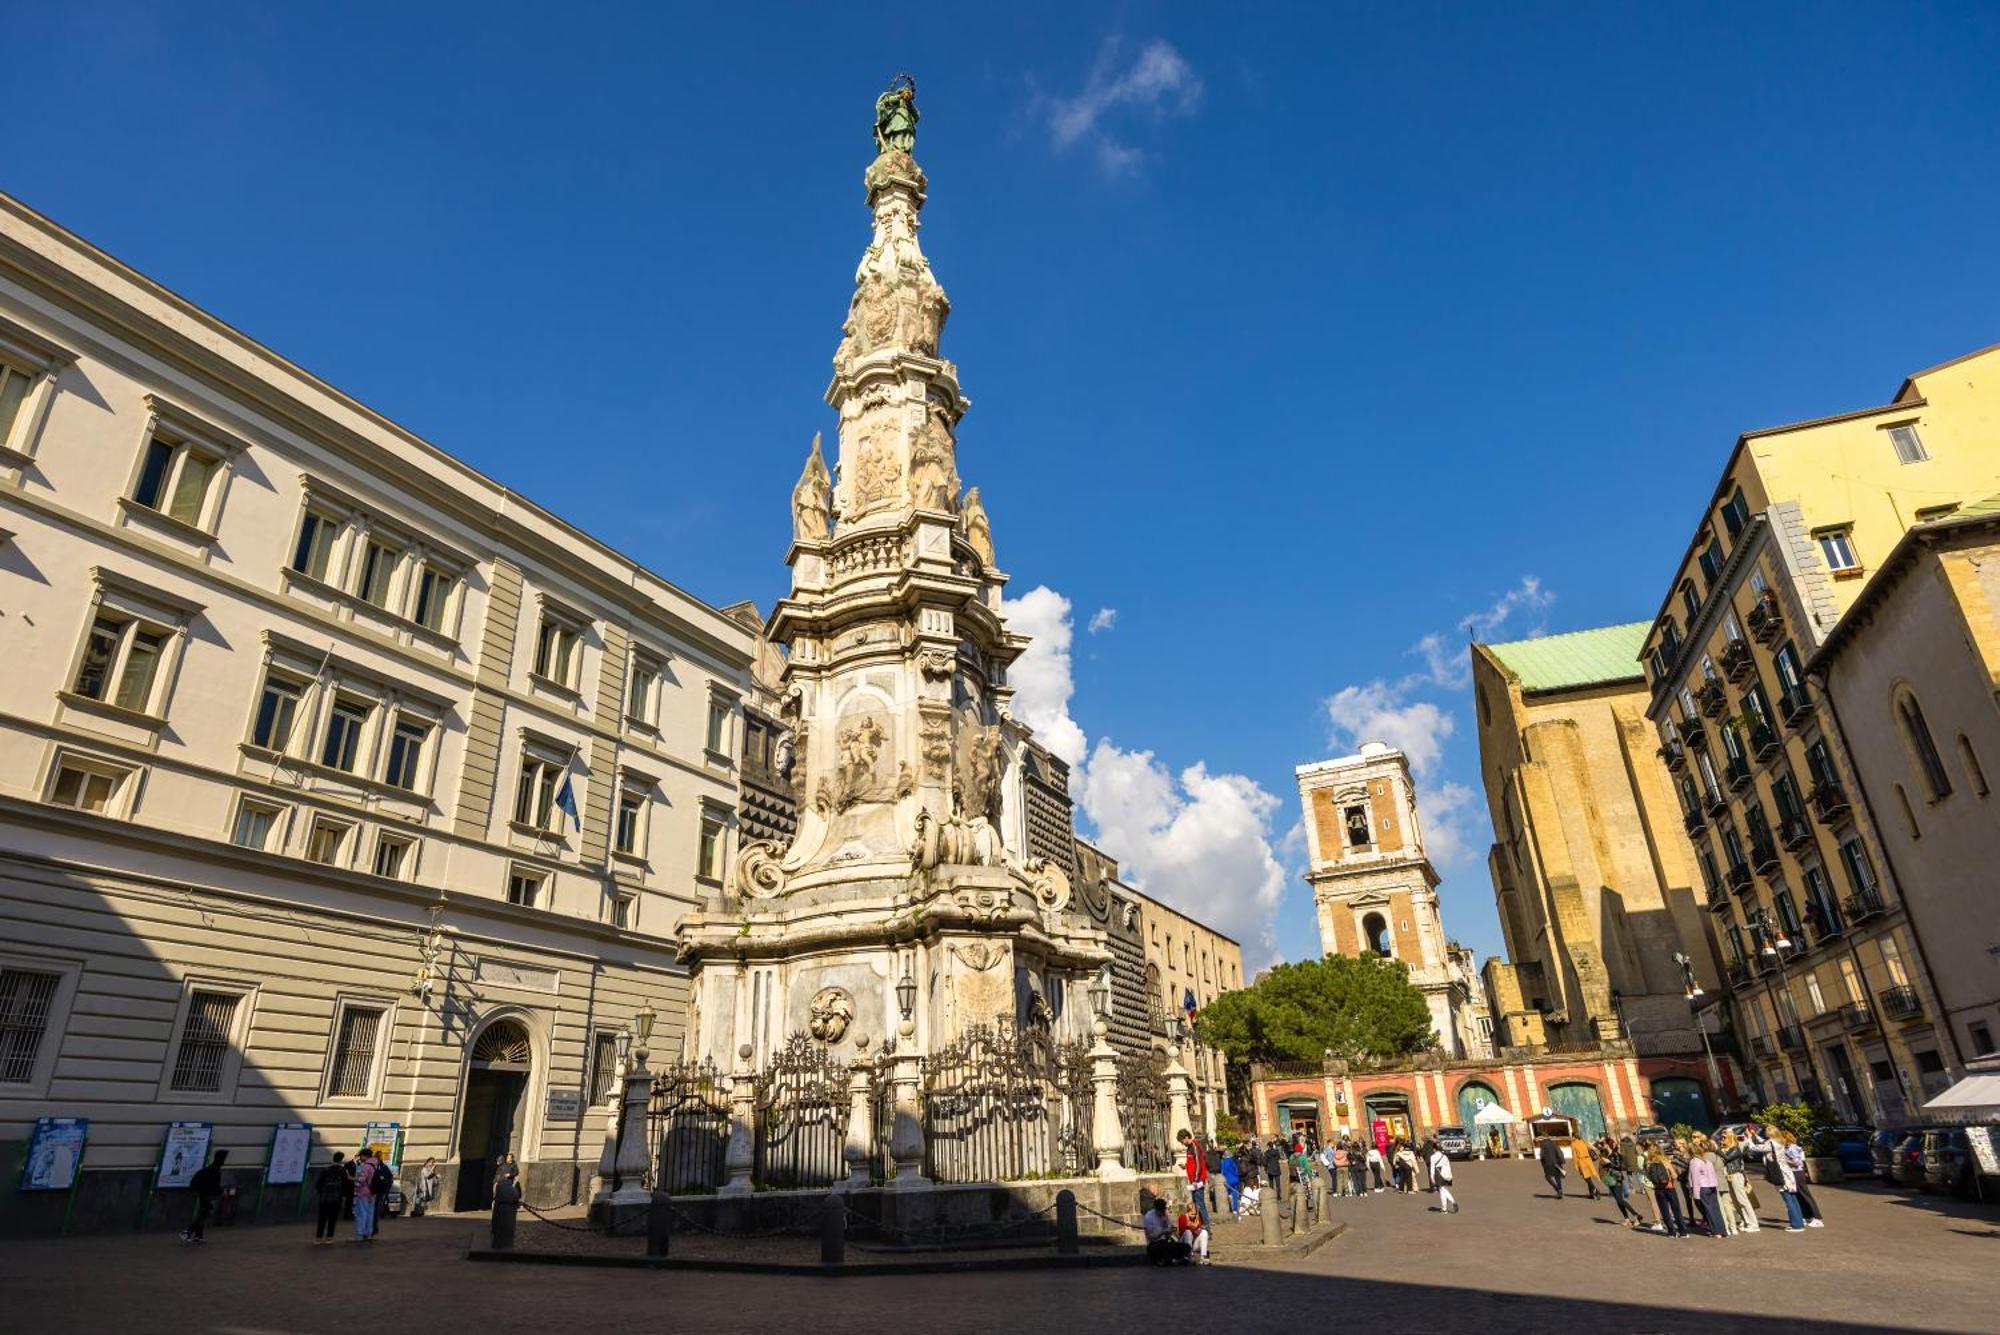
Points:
1690	1184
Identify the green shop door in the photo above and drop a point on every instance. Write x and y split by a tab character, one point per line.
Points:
1580	1102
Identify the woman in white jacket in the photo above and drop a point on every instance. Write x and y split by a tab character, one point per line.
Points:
1440	1166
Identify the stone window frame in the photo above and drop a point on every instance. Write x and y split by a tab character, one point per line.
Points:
125	776
281	817
246	994
726	705
117	595
646	789
190	436
355	525
349	833
68	972
343	1003
323	677
411	845
42	361
557	753
720	817
542	896
553	612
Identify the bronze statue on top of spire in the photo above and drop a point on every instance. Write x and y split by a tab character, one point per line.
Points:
896	117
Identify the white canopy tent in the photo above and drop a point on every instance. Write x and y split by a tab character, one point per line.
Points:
1494	1115
1976	1094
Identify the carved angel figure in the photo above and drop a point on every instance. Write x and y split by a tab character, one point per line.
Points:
933	482
978	529
811	518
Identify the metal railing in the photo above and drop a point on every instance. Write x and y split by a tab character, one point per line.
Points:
1828	801
1901	1003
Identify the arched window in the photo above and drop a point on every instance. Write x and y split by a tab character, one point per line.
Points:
1970	760
1911	715
1375	932
1909	816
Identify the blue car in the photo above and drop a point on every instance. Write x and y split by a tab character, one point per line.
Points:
1851	1148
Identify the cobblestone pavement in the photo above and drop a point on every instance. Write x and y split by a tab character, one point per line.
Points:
1513	1260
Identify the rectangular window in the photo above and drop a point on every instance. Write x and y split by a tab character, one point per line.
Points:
603	1065
406	752
343	735
1837	547
392	856
1711	561
100	651
433	590
1909	446
26	998
1892	961
121	659
204	1045
1736	513
175	478
315	550
255	824
354	1047
327	843
277	711
631	822
535	794
622	907
84	788
641	695
142	662
378	563
555	651
718	726
525	888
1690	600
711	849
1860	872
15	385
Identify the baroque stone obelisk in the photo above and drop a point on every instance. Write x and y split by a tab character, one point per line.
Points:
905	909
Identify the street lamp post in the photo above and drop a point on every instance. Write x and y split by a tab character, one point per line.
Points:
1694	996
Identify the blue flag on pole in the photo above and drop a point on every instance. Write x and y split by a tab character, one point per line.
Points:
566	801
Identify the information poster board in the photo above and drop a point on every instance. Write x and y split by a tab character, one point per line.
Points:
386	1139
291	1146
182	1154
1983	1149
55	1153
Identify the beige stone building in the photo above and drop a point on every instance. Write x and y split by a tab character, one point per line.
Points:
1592	870
1831	987
1911	678
1374	888
1185	958
339	784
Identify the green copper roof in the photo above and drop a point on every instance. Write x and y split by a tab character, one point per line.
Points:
1579	658
1991	505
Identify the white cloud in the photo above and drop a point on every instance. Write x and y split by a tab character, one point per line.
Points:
1041	676
1378	712
1200	842
1104	618
1157	82
1527	597
1449	815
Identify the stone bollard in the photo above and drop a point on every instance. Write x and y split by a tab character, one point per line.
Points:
506	1214
659	1223
1066	1222
1298	1210
1274	1227
832	1231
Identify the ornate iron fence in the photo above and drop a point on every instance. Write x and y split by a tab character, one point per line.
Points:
1076	1093
802	1111
687	1123
987	1107
1142	1106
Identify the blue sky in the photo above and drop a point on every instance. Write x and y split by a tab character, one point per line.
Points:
1295	337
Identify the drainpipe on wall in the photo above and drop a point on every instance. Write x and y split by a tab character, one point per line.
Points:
1889	865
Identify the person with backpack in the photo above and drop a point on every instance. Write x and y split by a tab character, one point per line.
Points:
364	1195
206	1185
1440	1170
386	1195
1551	1156
1661	1174
330	1190
1214	1157
1232	1180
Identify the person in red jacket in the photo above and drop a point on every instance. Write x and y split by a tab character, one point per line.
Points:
1196	1168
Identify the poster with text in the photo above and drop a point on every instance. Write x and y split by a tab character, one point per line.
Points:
386	1139
183	1153
54	1153
291	1145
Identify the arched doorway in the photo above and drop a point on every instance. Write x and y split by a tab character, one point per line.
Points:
1579	1101
1472	1096
1680	1098
493	1113
1375	935
1389	1108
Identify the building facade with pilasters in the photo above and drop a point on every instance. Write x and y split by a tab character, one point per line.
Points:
339	784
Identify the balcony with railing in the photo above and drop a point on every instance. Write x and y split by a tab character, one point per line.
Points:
1856	1015
1736	773
1738	878
1828	801
1738	973
1791	1038
1765	620
1694	734
1793	832
1763	854
1901	1003
1793	707
1712	699
1863	905
1674	754
1735	660
1716	804
1696	822
1760	1047
1823	922
1763	741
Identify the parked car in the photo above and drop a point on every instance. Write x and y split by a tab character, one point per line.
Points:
1653	1134
1906	1163
1882	1153
1947	1161
1455	1142
1850	1146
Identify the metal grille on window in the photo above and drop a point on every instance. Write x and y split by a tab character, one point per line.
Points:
204	1042
25	999
354	1052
